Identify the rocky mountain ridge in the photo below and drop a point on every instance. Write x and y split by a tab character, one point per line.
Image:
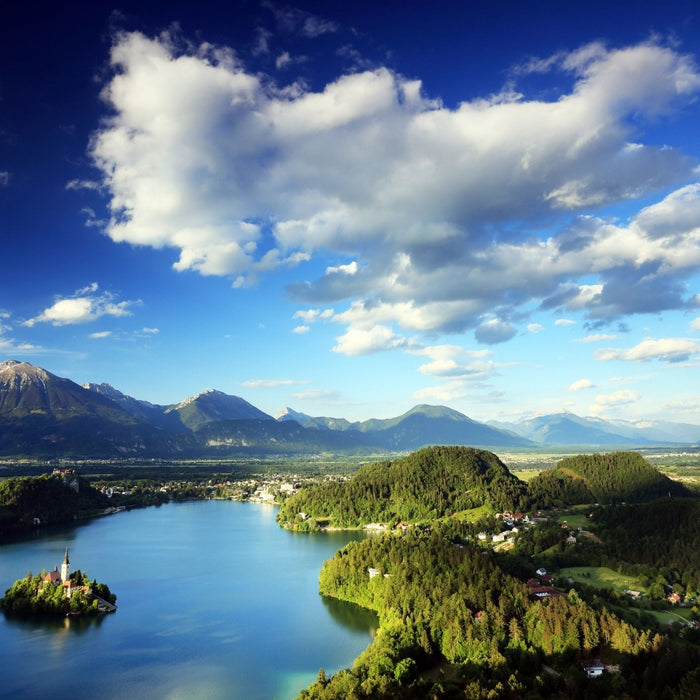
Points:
42	414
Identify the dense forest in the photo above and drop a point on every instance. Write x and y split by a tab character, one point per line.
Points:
457	618
50	499
437	481
425	485
663	537
601	478
454	625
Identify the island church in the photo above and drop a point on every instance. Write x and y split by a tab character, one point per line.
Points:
62	578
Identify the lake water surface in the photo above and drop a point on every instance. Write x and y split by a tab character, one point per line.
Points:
214	600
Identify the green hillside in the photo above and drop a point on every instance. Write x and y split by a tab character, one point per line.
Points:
51	499
454	624
660	533
601	478
427	484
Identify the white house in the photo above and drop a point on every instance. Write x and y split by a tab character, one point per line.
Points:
593	668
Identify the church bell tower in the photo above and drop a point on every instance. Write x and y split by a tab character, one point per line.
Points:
65	568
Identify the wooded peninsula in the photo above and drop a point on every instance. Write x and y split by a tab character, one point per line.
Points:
472	577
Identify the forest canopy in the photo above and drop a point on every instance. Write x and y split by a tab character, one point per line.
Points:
601	478
50	498
428	484
455	625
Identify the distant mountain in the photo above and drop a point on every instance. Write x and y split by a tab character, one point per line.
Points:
44	415
437	425
569	429
152	413
290	414
265	436
566	428
421	426
211	405
661	431
29	391
320	422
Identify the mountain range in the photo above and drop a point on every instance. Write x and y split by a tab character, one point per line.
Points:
43	415
565	428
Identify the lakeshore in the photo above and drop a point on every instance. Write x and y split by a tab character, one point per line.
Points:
215	600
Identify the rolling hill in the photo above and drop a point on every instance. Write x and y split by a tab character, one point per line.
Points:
602	478
427	484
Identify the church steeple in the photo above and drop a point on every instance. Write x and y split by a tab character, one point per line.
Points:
65	568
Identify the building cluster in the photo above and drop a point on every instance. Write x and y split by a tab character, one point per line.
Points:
542	586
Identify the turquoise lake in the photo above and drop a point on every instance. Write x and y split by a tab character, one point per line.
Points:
214	600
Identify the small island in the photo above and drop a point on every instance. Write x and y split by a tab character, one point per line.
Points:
58	593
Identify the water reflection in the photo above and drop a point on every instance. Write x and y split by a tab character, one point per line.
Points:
352	617
75	624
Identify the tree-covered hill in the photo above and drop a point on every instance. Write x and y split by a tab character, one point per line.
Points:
51	499
662	533
601	478
427	484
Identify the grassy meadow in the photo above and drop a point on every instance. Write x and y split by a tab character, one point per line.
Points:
602	577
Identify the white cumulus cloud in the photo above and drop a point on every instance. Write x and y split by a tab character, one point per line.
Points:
580	384
495	331
242	176
596	338
84	306
455	361
667	349
361	341
617	398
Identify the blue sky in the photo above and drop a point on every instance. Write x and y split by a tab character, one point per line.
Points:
353	208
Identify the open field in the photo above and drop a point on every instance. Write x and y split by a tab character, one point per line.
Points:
602	577
577	519
525	474
640	616
474	514
666	617
532	461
